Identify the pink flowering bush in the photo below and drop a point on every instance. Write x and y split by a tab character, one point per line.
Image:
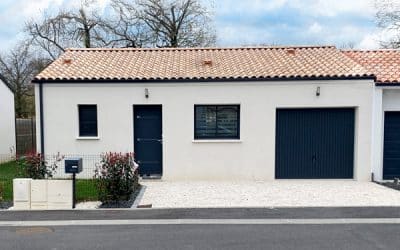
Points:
117	177
33	165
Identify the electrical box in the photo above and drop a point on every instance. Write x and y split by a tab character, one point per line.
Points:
22	193
73	165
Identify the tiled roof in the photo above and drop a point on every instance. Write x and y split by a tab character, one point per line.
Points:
202	64
385	64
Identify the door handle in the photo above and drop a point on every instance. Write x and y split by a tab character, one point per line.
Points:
314	158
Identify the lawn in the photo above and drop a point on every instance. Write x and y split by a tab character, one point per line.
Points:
85	189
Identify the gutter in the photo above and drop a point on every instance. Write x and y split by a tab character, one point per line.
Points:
378	84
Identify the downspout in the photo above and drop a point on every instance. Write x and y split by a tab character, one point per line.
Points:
41	118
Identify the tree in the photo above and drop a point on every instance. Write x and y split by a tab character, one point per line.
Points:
128	23
176	23
388	18
347	45
123	28
18	67
67	28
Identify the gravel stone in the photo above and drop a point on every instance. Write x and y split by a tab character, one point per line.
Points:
282	193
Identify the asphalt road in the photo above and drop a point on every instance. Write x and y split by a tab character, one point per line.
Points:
282	235
203	237
205	213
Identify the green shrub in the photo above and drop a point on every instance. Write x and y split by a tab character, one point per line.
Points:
33	165
117	177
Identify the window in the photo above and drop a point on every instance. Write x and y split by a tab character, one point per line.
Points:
216	122
87	120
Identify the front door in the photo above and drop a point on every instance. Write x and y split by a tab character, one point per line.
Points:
148	139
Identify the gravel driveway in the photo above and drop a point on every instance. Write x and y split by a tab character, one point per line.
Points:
309	193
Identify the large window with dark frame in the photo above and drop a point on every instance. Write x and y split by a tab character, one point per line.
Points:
216	122
87	120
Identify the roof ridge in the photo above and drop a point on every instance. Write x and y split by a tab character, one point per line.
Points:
206	48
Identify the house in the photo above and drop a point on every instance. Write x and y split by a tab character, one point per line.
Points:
214	113
7	121
385	64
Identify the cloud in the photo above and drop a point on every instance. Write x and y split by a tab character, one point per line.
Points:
333	8
232	6
240	35
315	28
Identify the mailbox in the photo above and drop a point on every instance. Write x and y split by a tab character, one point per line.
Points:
73	165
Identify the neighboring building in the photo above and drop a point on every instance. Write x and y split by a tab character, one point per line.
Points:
385	64
225	113
7	121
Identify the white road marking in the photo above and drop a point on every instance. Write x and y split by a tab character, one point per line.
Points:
201	222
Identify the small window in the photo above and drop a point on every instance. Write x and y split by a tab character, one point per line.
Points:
87	120
217	122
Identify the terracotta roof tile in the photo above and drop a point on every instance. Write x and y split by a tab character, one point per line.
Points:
385	64
202	63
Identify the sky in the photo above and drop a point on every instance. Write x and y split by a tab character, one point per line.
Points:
244	22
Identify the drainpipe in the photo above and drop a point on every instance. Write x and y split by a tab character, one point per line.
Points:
41	118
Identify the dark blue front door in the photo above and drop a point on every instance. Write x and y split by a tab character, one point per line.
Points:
391	148
148	138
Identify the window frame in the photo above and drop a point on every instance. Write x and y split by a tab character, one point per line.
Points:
216	137
80	135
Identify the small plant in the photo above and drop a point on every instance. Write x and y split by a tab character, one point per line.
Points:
117	177
33	165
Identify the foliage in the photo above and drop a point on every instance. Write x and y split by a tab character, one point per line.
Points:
33	165
117	177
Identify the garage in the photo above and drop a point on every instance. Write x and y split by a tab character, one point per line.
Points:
315	143
391	148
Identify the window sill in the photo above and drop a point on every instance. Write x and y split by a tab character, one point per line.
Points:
217	141
88	138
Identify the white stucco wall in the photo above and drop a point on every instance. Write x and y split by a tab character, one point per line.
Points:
7	123
252	158
386	99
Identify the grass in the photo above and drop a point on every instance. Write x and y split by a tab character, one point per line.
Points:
8	171
85	189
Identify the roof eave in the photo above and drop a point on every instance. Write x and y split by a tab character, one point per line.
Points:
221	79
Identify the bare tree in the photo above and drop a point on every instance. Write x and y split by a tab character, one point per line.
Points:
72	28
172	23
18	67
347	45
122	27
388	18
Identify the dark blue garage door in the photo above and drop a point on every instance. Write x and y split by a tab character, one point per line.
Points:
391	148
314	143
